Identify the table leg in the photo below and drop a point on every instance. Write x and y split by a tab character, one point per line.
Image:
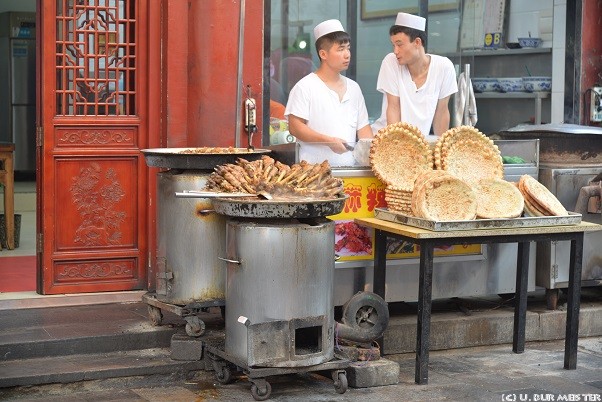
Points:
573	302
380	263
379	276
423	329
9	203
520	302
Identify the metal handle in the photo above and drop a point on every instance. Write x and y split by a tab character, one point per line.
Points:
231	261
206	211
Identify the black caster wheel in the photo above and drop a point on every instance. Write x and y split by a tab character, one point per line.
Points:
552	296
194	326
155	315
223	375
367	313
340	381
261	394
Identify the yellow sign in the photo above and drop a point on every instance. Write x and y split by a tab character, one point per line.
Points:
354	242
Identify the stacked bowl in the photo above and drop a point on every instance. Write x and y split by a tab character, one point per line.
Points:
511	84
537	84
485	84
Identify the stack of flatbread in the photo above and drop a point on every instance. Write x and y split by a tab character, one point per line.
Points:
439	196
539	201
469	155
398	200
398	154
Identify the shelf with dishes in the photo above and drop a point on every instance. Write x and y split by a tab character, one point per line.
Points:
499	52
513	95
536	88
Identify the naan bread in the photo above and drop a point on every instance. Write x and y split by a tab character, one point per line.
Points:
472	162
398	154
468	154
446	198
542	196
497	198
419	183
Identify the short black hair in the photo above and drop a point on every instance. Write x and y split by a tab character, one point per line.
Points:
338	37
411	32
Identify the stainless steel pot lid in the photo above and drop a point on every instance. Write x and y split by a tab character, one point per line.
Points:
193	158
255	208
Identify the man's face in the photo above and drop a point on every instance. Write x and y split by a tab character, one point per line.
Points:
338	56
405	50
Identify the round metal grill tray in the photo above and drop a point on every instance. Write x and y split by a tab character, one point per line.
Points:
254	208
174	158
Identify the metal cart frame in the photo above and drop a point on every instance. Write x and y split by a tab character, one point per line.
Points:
194	325
224	363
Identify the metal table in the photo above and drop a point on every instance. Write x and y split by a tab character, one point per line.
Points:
428	240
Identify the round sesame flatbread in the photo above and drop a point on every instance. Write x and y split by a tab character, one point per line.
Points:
446	198
468	154
471	161
420	181
398	154
497	198
542	196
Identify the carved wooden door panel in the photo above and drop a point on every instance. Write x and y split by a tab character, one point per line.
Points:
93	179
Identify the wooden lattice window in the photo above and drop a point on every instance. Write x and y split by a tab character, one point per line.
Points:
96	57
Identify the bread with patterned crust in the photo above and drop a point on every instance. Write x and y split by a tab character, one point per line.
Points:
398	154
497	198
446	198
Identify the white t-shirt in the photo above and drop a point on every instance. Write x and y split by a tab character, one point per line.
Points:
312	100
417	104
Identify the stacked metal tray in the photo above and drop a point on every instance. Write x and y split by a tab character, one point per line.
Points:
445	226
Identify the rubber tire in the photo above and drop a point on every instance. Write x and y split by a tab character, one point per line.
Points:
259	396
552	296
361	301
194	326
341	384
224	375
155	315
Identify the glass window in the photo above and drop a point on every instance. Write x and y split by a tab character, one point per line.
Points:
292	53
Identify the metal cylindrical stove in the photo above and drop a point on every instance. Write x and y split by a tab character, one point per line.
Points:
191	237
279	291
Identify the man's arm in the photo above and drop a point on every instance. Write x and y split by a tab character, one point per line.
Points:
365	132
299	128
441	118
393	109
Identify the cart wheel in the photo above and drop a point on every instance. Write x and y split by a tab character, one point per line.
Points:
261	395
194	326
367	314
340	383
551	298
155	315
223	374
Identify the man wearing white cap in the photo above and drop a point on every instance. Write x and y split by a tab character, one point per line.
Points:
326	111
416	86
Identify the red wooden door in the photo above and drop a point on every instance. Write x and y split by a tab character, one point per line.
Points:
93	121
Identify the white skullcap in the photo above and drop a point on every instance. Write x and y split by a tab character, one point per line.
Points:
326	27
411	21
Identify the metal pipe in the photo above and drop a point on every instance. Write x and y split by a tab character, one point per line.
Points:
466	118
241	39
587	192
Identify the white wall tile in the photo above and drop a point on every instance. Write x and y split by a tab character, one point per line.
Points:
559	41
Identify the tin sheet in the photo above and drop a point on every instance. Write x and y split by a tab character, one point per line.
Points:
444	226
186	158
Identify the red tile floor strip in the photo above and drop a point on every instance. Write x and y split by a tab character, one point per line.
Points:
18	274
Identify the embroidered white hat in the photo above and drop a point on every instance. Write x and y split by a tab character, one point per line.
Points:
326	27
411	21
